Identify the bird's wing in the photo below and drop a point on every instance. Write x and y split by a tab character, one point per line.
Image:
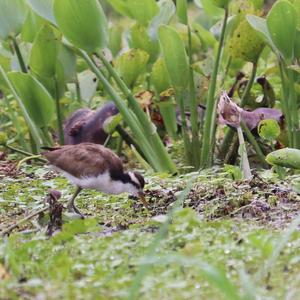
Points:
84	160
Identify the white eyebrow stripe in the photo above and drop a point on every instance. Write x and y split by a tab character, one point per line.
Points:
134	179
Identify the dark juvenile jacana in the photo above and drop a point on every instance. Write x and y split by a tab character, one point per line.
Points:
92	166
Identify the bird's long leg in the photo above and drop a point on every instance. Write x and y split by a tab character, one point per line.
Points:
71	205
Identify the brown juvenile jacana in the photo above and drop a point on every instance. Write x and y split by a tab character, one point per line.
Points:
92	166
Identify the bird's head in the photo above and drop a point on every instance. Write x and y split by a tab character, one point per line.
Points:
137	182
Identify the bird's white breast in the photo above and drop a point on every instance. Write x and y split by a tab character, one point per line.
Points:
102	183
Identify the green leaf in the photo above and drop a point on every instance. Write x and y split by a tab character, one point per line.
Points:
287	157
282	23
260	25
82	22
111	123
159	76
44	52
43	8
140	10
140	39
210	9
181	8
115	39
68	61
221	3
175	57
131	65
269	129
206	37
297	45
31	27
167	10
36	99
12	17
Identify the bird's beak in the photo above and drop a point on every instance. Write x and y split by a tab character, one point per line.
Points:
142	198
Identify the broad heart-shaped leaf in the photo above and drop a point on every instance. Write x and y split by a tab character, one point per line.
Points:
282	24
82	22
44	52
43	8
140	10
131	65
32	26
12	17
260	25
37	101
175	57
68	61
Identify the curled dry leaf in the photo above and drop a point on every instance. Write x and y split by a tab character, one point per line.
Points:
229	112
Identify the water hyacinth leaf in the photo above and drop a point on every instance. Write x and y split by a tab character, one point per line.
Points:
282	23
36	99
140	10
181	7
131	65
140	39
43	8
55	85
221	3
260	25
269	129
44	52
167	10
160	77
210	9
67	58
12	17
175	57
206	37
245	42
286	157
31	27
82	22
115	39
297	45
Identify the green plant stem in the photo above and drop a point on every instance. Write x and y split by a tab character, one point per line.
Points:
211	108
253	142
244	157
184	129
147	126
19	55
128	116
293	105
249	85
33	130
193	108
231	132
58	114
285	103
78	93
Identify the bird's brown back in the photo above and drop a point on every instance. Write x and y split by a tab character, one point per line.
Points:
84	160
